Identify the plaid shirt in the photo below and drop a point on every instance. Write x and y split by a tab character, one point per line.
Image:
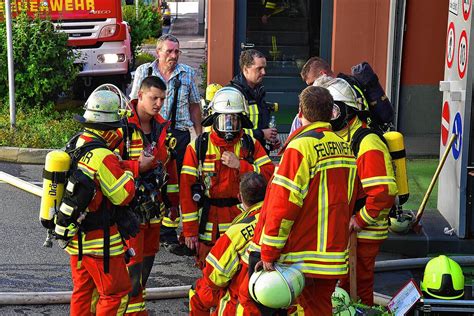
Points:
188	92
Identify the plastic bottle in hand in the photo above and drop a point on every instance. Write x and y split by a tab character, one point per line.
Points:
272	124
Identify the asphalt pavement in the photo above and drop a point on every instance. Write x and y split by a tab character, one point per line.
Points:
25	266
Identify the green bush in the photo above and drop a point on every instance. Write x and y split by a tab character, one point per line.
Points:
38	127
44	64
147	25
143	58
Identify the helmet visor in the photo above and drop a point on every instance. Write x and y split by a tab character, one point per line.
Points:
228	123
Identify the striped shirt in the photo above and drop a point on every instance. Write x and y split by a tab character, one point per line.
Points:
188	92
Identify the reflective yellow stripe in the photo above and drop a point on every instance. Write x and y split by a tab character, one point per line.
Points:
170	223
262	160
135	308
313	268
208	166
365	216
172	188
323	212
223	303
333	257
370	234
368	182
207	236
189	170
335	163
224	227
277	242
61	230
224	270
253	114
351	184
118	184
253	247
291	186
270	5
248	131
189	217
66	209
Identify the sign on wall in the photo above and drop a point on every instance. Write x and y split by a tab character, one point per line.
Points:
456	109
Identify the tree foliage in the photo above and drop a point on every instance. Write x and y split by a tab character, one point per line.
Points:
147	25
44	64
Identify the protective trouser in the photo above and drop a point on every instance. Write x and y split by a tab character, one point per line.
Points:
204	249
168	232
366	253
246	305
96	292
202	298
146	244
316	297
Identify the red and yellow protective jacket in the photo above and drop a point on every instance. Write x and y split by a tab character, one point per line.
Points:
113	183
375	170
223	264
160	152
306	213
221	182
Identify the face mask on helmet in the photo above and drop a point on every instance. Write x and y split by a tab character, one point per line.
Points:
339	116
228	126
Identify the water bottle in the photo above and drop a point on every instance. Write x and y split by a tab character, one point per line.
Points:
272	123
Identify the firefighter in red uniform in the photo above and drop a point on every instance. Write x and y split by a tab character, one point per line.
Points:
312	196
211	170
222	276
157	189
374	168
89	231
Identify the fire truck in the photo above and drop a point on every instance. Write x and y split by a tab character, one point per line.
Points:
96	31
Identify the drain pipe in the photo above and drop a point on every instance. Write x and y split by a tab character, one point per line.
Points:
48	298
22	184
416	263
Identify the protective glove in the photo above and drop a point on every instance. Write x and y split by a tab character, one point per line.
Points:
127	221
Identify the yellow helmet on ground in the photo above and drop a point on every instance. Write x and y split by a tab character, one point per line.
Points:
443	279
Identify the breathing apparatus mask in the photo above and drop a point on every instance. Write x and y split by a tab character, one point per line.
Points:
227	126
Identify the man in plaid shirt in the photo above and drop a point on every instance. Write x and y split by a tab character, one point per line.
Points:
183	113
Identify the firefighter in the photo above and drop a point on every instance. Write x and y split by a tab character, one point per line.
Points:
309	205
374	168
99	273
157	189
211	170
249	82
219	286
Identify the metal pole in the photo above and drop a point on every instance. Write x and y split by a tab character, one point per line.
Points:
136	8
11	70
176	17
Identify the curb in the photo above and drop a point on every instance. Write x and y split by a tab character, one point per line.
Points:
34	156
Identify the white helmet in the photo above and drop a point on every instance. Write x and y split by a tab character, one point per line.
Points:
103	108
228	100
342	91
229	113
276	289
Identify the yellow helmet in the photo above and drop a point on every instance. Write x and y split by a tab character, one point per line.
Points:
211	90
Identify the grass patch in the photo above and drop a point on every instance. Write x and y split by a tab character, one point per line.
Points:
39	128
150	41
420	172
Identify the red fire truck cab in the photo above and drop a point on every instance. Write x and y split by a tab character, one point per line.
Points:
96	29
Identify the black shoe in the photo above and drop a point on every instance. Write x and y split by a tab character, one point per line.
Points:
180	250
